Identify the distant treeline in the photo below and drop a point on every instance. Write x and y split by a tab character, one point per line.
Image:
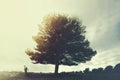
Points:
108	69
107	73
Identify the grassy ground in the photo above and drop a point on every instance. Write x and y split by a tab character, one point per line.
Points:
49	76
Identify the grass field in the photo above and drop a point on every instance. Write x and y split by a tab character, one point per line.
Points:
50	76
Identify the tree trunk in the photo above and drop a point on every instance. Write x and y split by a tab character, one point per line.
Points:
56	68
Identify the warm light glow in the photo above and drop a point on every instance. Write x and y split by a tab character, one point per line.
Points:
19	20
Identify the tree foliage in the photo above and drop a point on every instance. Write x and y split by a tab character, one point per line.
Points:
61	40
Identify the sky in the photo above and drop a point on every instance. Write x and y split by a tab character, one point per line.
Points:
19	20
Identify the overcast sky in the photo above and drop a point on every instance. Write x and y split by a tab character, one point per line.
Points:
19	21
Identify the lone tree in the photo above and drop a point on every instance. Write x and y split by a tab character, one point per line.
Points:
61	41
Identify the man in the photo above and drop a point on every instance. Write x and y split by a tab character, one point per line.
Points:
25	70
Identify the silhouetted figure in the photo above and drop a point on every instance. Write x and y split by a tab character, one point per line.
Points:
25	70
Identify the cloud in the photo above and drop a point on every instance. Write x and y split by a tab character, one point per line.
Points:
103	32
101	18
108	57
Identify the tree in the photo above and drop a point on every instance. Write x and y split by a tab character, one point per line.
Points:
117	68
108	69
86	71
100	70
61	41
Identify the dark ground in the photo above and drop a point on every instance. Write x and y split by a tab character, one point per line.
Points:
61	76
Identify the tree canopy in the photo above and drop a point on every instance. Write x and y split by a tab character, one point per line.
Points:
61	40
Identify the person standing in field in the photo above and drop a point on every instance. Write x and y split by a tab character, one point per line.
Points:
25	70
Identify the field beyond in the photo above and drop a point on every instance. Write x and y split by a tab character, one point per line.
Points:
61	76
